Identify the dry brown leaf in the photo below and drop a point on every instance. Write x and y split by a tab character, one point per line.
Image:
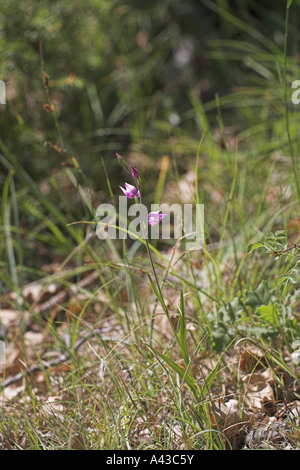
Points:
294	412
252	358
9	317
38	292
228	413
77	442
258	389
275	434
53	405
231	419
33	338
12	356
41	385
11	392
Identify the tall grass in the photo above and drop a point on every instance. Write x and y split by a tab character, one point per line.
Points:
138	356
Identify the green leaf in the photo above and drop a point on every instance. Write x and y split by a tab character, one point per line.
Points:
282	279
158	294
280	234
182	330
222	337
269	313
261	296
209	381
283	287
292	278
181	372
254	246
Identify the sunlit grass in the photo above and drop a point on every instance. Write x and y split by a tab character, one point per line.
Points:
142	343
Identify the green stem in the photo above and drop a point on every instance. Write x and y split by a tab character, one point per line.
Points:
154	274
294	163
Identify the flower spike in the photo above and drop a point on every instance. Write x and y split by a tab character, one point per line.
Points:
155	217
134	172
130	191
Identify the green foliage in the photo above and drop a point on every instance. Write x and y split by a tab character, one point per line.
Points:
120	72
258	314
276	246
86	80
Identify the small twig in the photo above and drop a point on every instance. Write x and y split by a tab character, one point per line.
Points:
279	253
64	295
62	358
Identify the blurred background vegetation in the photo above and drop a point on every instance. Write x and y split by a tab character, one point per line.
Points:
87	79
143	79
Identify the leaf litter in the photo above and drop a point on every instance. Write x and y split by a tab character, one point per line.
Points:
255	409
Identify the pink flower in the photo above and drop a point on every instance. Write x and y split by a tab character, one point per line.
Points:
155	217
134	172
120	158
130	191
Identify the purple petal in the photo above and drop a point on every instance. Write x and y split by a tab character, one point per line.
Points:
130	187
130	191
155	217
134	172
124	190
120	159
